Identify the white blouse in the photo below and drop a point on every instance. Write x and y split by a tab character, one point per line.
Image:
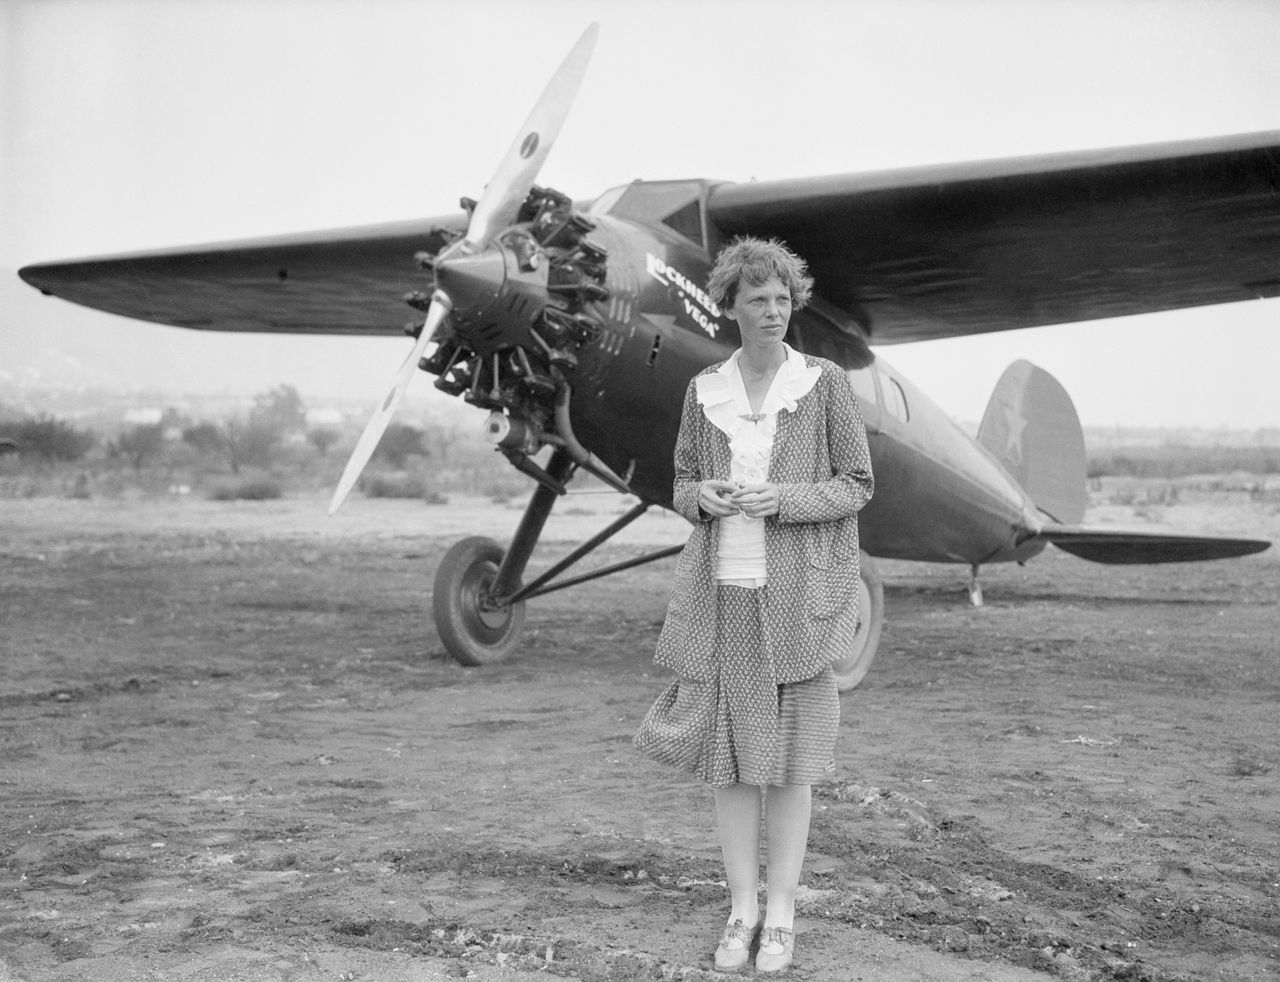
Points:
740	557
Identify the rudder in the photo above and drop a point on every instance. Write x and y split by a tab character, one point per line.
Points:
1031	427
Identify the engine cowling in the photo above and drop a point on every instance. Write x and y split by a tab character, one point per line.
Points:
522	310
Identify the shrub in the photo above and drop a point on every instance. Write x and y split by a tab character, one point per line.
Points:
394	486
399	442
402	486
257	489
137	445
322	438
1172	461
48	439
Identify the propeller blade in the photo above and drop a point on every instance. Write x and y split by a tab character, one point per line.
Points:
377	425
496	209
500	203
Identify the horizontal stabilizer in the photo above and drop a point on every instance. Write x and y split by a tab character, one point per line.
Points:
1115	546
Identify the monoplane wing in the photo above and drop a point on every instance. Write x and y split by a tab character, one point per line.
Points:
1116	546
915	254
344	281
971	248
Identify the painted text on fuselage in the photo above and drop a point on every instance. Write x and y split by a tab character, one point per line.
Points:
697	304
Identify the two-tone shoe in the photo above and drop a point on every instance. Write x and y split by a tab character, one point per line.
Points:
777	948
734	950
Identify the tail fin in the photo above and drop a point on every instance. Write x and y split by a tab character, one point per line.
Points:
1032	429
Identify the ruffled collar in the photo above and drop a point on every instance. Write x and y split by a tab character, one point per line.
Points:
723	395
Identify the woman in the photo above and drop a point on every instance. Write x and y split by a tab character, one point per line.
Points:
771	468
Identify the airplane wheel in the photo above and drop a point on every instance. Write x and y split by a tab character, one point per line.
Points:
852	667
473	629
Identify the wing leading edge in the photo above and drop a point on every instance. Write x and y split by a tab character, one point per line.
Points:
343	281
959	249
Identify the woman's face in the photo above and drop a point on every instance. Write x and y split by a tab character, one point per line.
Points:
762	312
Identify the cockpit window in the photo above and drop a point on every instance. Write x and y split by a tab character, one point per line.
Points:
603	205
676	204
687	221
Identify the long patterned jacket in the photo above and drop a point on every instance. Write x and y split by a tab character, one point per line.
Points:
823	469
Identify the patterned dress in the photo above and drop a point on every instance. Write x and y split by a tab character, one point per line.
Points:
736	724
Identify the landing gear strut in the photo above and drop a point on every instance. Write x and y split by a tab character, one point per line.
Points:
478	599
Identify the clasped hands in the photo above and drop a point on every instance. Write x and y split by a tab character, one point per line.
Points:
720	499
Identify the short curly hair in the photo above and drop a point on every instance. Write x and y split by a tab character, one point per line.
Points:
755	261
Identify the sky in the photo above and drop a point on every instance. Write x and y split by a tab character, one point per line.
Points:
136	124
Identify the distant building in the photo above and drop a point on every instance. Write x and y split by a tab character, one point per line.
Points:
324	417
143	417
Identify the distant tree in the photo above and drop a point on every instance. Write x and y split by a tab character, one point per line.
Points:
138	445
205	438
259	445
242	441
250	442
280	410
174	419
322	439
50	439
176	456
400	442
443	438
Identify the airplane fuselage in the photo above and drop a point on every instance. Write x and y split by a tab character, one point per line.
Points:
940	496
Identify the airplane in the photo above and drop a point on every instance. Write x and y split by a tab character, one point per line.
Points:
577	325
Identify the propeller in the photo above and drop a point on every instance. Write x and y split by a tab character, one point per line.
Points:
511	183
377	425
496	209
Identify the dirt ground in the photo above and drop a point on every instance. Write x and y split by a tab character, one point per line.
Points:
231	748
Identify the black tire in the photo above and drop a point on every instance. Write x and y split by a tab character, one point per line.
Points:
851	668
473	630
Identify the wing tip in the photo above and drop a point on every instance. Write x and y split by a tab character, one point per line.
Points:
31	275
